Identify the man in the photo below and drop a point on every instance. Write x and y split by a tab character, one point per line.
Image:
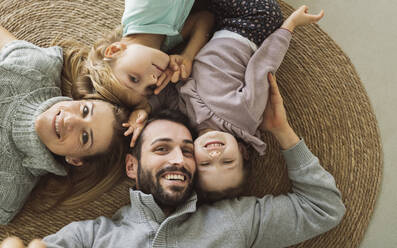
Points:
164	211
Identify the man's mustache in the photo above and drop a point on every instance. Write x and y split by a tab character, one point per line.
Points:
173	168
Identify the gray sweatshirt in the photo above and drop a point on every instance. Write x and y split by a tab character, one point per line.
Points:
29	85
228	88
314	206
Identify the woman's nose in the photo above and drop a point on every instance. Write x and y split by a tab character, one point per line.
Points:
72	121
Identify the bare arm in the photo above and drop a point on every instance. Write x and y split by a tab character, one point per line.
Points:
5	37
196	29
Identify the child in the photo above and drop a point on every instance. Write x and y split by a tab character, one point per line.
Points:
228	91
125	68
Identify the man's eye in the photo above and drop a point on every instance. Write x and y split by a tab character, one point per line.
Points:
161	149
84	137
134	79
188	153
86	110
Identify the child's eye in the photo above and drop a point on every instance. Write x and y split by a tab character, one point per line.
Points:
84	137
85	111
134	79
228	161
204	163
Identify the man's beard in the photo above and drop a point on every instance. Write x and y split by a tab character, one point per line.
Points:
150	186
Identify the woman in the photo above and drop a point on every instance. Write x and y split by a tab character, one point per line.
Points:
43	132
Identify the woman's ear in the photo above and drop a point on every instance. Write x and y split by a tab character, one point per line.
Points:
114	49
131	166
74	161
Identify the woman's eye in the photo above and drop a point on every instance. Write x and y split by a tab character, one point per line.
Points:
134	79
228	161
84	137
86	110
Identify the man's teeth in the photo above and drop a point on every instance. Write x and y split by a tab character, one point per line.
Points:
175	177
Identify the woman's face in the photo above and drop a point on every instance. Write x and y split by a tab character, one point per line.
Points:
76	128
219	161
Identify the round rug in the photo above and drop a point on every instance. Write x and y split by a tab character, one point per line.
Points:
326	102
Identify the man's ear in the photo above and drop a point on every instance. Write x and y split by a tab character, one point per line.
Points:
74	161
244	151
131	166
114	49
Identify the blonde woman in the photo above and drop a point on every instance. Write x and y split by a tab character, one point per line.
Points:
78	143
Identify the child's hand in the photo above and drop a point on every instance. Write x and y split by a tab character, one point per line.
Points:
301	17
179	68
182	66
135	124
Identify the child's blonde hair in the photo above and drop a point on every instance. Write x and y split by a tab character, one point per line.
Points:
86	73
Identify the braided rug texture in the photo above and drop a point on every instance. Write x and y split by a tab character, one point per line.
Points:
325	100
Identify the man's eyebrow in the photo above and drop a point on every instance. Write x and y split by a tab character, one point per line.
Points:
186	141
161	140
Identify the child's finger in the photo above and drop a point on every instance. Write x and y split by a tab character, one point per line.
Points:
175	76
161	79
126	124
135	136
163	85
184	72
129	131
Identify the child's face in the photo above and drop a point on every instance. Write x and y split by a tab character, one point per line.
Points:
219	161
137	68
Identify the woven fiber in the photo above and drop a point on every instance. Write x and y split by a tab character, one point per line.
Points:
325	100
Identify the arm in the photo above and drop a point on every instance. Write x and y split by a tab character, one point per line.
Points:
5	37
314	206
196	29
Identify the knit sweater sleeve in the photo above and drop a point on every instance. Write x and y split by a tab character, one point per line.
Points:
39	65
314	206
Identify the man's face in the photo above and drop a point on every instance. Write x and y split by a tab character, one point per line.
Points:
167	167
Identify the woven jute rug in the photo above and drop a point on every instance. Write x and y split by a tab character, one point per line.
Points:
325	100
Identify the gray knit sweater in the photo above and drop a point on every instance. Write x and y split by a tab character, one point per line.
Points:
29	85
313	207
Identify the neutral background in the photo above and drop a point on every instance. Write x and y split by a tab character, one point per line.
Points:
367	32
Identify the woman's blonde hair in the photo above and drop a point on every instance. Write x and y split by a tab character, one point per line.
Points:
87	74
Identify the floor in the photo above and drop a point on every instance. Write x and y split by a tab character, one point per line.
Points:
367	33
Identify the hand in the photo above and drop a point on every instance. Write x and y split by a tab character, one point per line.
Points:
179	68
135	124
274	116
301	17
14	242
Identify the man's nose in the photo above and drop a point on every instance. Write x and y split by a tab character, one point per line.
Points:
177	157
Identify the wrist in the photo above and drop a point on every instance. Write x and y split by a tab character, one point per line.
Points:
286	137
289	25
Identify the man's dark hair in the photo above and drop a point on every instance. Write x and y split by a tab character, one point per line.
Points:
166	114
